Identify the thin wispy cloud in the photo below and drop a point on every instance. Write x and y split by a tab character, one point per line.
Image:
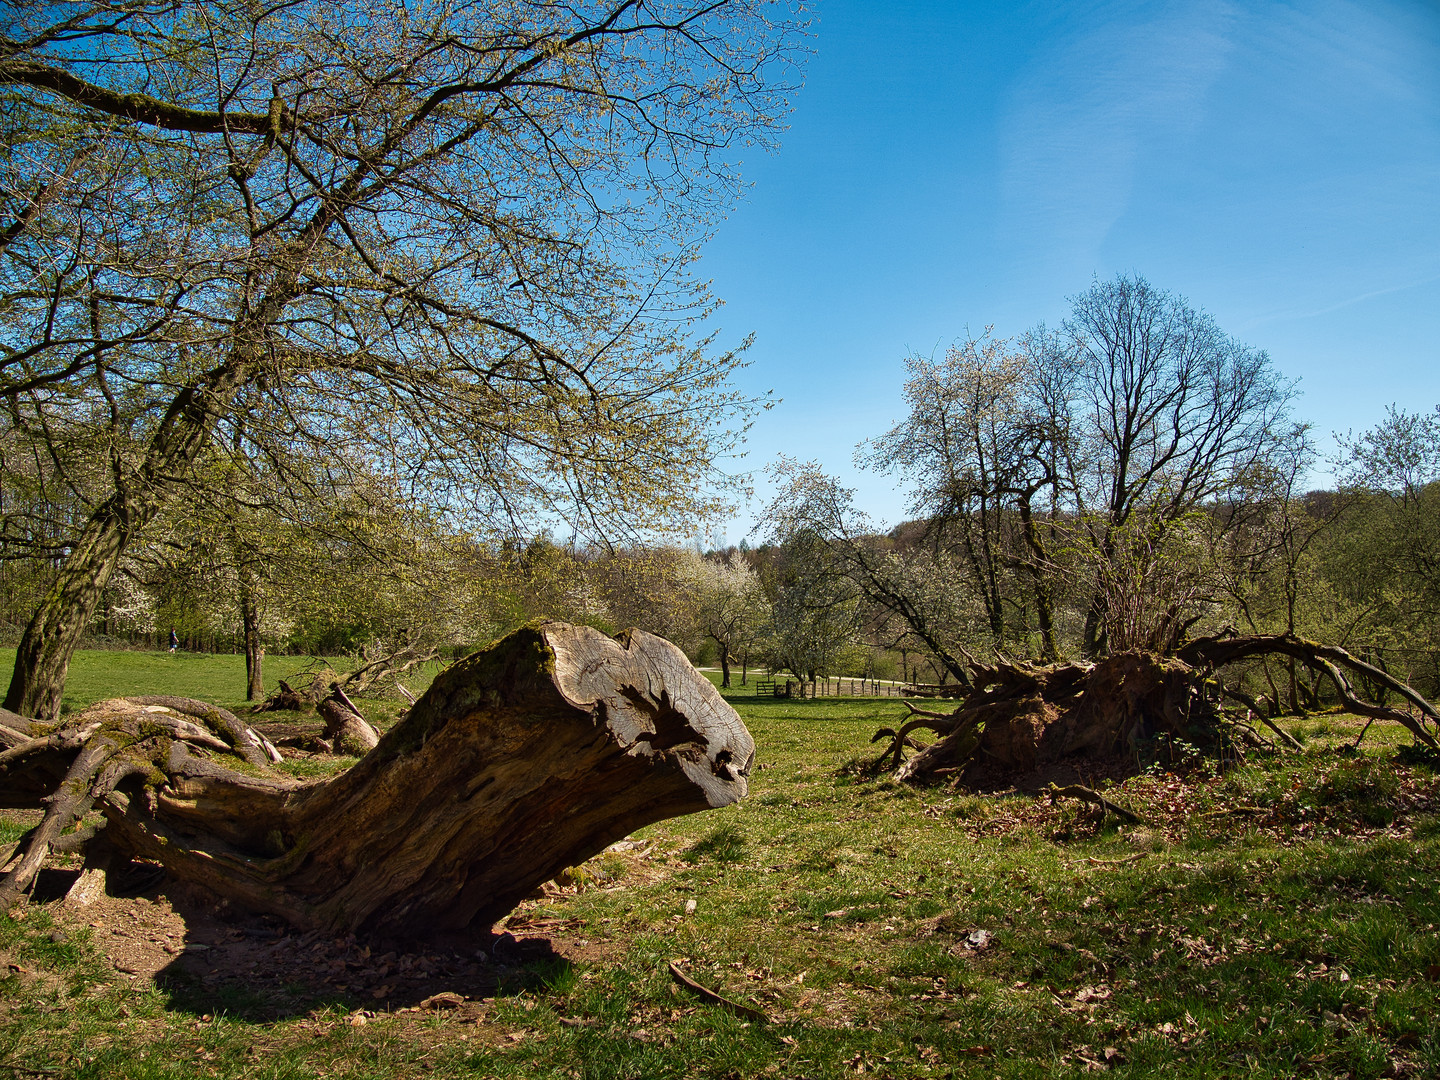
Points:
1373	50
1082	112
1296	315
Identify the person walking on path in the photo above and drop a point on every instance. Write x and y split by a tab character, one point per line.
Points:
174	640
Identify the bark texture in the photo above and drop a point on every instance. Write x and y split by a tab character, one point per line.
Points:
520	760
42	659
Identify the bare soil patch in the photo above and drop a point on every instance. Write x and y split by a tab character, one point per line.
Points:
211	957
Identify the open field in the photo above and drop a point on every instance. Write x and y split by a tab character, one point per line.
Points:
1277	921
219	677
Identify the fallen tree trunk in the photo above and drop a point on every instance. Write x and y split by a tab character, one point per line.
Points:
376	666
1019	717
346	730
1213	653
520	760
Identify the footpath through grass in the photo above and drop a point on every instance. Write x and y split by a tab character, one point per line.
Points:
1279	921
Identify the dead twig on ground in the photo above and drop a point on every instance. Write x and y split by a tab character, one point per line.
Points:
705	994
1085	794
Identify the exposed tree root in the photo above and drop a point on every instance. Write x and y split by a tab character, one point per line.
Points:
924	720
1018	716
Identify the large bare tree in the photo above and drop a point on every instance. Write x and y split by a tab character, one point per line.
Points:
451	237
1170	414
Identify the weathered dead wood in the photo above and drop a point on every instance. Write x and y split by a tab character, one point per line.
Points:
745	1012
377	666
1018	717
384	664
345	729
1125	860
519	761
915	710
243	740
82	784
1003	718
940	723
958	743
287	699
89	886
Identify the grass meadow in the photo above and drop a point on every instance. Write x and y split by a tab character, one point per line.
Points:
1277	921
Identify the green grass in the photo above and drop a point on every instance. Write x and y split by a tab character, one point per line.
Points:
98	674
895	932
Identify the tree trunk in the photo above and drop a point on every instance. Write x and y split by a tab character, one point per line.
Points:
1039	567
254	652
519	761
1276	701
724	666
1091	643
42	659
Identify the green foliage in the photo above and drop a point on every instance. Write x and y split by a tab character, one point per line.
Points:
461	273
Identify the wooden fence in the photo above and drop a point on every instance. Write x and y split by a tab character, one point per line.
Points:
830	687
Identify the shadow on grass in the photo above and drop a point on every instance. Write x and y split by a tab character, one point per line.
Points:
725	844
257	968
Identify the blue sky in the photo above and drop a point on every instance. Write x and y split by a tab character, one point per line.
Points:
955	165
